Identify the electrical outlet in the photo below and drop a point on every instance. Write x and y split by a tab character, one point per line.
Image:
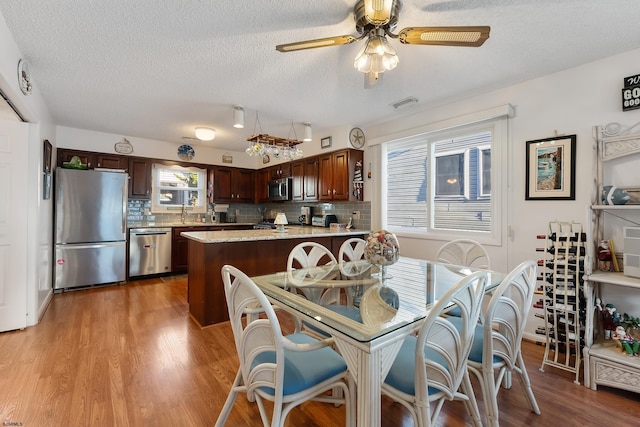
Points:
355	214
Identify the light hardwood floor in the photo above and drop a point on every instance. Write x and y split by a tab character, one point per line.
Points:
131	356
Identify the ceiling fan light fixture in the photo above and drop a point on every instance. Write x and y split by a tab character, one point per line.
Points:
205	134
378	12
307	133
238	117
377	56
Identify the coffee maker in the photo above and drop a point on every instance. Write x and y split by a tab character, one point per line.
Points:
305	215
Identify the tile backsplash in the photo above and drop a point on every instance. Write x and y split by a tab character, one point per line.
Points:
139	211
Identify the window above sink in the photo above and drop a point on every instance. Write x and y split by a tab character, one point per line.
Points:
178	188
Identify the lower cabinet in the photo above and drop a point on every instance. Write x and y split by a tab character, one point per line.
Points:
254	257
180	244
180	248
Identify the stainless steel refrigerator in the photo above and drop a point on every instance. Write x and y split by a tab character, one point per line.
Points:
90	227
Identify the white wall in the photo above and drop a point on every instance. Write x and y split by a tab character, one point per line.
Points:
568	102
39	211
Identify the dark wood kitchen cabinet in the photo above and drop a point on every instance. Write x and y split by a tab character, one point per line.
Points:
282	170
112	161
232	185
139	178
180	244
336	171
179	248
93	160
65	155
262	178
305	180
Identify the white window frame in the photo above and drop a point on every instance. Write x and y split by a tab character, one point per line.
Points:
200	207
498	125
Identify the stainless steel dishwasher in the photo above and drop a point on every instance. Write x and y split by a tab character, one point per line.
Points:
149	251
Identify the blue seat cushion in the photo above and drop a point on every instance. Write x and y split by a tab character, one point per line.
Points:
402	374
454	311
304	369
345	310
478	340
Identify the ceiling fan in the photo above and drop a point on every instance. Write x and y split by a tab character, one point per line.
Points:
376	19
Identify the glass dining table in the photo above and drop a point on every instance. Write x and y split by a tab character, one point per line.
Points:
389	307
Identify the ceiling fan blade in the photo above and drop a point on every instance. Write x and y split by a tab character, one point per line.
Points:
311	44
445	36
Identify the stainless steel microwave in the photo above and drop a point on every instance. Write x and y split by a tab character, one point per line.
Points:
280	189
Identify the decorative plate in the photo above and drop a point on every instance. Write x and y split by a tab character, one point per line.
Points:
357	138
186	152
24	77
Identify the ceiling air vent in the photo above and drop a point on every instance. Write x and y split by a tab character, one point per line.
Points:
404	103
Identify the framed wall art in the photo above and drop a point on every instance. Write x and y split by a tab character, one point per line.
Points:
551	168
325	142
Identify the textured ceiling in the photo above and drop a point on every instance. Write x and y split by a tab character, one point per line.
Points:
158	68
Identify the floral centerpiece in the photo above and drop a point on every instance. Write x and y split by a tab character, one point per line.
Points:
382	249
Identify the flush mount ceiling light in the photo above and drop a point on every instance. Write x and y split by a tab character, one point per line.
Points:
238	117
376	20
307	133
205	134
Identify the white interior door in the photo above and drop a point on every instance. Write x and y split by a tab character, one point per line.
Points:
14	143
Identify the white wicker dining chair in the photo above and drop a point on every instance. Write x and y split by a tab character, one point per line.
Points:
300	268
353	265
305	256
465	252
496	347
287	370
432	367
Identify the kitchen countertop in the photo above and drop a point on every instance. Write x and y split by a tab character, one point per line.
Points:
186	224
295	232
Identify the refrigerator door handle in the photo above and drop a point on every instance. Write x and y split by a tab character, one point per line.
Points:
125	196
90	245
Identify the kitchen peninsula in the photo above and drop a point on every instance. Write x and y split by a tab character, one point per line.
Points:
255	252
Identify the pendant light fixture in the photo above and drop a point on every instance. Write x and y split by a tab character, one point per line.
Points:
205	134
238	117
307	133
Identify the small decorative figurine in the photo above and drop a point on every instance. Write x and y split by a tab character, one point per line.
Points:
609	320
605	256
614	196
626	341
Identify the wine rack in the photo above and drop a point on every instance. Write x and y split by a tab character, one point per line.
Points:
562	289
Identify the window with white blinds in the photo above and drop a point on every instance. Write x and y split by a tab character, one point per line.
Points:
175	186
440	182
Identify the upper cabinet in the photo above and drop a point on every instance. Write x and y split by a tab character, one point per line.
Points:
336	172
305	180
232	185
93	160
282	170
112	161
139	178
262	178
